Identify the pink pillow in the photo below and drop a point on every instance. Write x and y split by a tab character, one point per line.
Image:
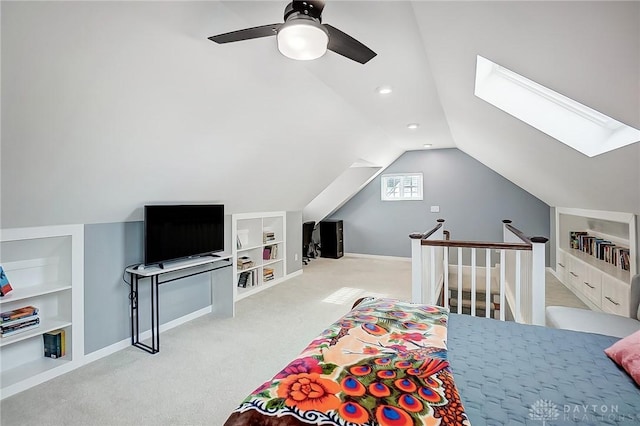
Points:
626	353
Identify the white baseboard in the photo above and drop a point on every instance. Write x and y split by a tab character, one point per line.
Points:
379	257
293	274
553	272
125	343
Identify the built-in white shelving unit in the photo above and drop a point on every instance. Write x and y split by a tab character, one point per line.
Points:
259	239
599	284
45	266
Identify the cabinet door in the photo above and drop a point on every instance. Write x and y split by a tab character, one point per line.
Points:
591	285
577	273
561	267
615	296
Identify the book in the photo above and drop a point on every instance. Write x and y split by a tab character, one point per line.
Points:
266	253
242	238
5	285
25	311
268	274
600	248
574	238
244	262
6	324
268	236
12	329
54	344
243	279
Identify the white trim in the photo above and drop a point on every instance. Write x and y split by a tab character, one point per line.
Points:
597	214
553	272
293	274
378	257
125	343
270	284
385	197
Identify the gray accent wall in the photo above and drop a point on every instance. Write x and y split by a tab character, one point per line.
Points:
109	249
472	199
294	241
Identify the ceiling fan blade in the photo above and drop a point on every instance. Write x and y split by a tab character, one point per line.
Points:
347	46
246	34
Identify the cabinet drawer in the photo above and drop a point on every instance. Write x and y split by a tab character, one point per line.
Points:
576	274
561	267
591	285
615	296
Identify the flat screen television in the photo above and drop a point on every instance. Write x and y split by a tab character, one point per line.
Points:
174	232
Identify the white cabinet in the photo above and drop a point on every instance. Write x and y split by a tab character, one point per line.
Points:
45	266
259	254
576	273
598	283
615	296
561	266
592	286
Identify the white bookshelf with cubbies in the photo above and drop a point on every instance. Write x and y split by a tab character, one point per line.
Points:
45	266
259	256
592	267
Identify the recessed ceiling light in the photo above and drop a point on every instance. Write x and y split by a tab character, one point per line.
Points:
384	90
413	126
427	145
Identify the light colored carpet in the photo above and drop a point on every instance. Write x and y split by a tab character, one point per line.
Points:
556	294
207	366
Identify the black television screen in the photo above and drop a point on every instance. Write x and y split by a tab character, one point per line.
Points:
180	231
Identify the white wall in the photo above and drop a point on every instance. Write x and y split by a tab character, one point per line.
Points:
108	106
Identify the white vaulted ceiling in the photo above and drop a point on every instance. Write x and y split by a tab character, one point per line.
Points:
107	106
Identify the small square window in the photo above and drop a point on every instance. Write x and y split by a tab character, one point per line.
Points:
401	186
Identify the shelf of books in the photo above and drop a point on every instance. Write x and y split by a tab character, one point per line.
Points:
259	252
41	315
596	255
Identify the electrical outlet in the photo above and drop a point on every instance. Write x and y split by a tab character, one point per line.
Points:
295	256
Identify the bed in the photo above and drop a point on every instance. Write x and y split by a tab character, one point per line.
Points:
392	363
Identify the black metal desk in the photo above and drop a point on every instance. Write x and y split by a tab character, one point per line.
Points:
190	268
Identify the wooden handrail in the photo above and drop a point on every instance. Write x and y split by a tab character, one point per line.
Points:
516	232
476	244
427	234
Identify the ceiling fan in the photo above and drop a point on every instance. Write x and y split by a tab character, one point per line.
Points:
303	36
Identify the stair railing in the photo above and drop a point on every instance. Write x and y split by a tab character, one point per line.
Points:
520	268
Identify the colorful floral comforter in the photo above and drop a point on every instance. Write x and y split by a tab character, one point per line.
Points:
382	364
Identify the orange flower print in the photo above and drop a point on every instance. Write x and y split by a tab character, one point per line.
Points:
309	391
370	350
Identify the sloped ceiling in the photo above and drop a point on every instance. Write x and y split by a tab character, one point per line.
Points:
107	106
589	51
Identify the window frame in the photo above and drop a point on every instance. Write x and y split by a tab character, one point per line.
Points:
384	179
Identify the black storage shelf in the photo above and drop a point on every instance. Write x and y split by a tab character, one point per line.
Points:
331	239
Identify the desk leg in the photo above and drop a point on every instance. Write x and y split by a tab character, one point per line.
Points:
133	310
135	316
155	316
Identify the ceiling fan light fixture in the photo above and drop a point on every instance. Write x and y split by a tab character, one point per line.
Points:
302	39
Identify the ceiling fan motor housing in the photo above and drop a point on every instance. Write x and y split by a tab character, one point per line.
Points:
303	8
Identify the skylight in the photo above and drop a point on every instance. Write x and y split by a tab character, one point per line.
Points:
572	123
